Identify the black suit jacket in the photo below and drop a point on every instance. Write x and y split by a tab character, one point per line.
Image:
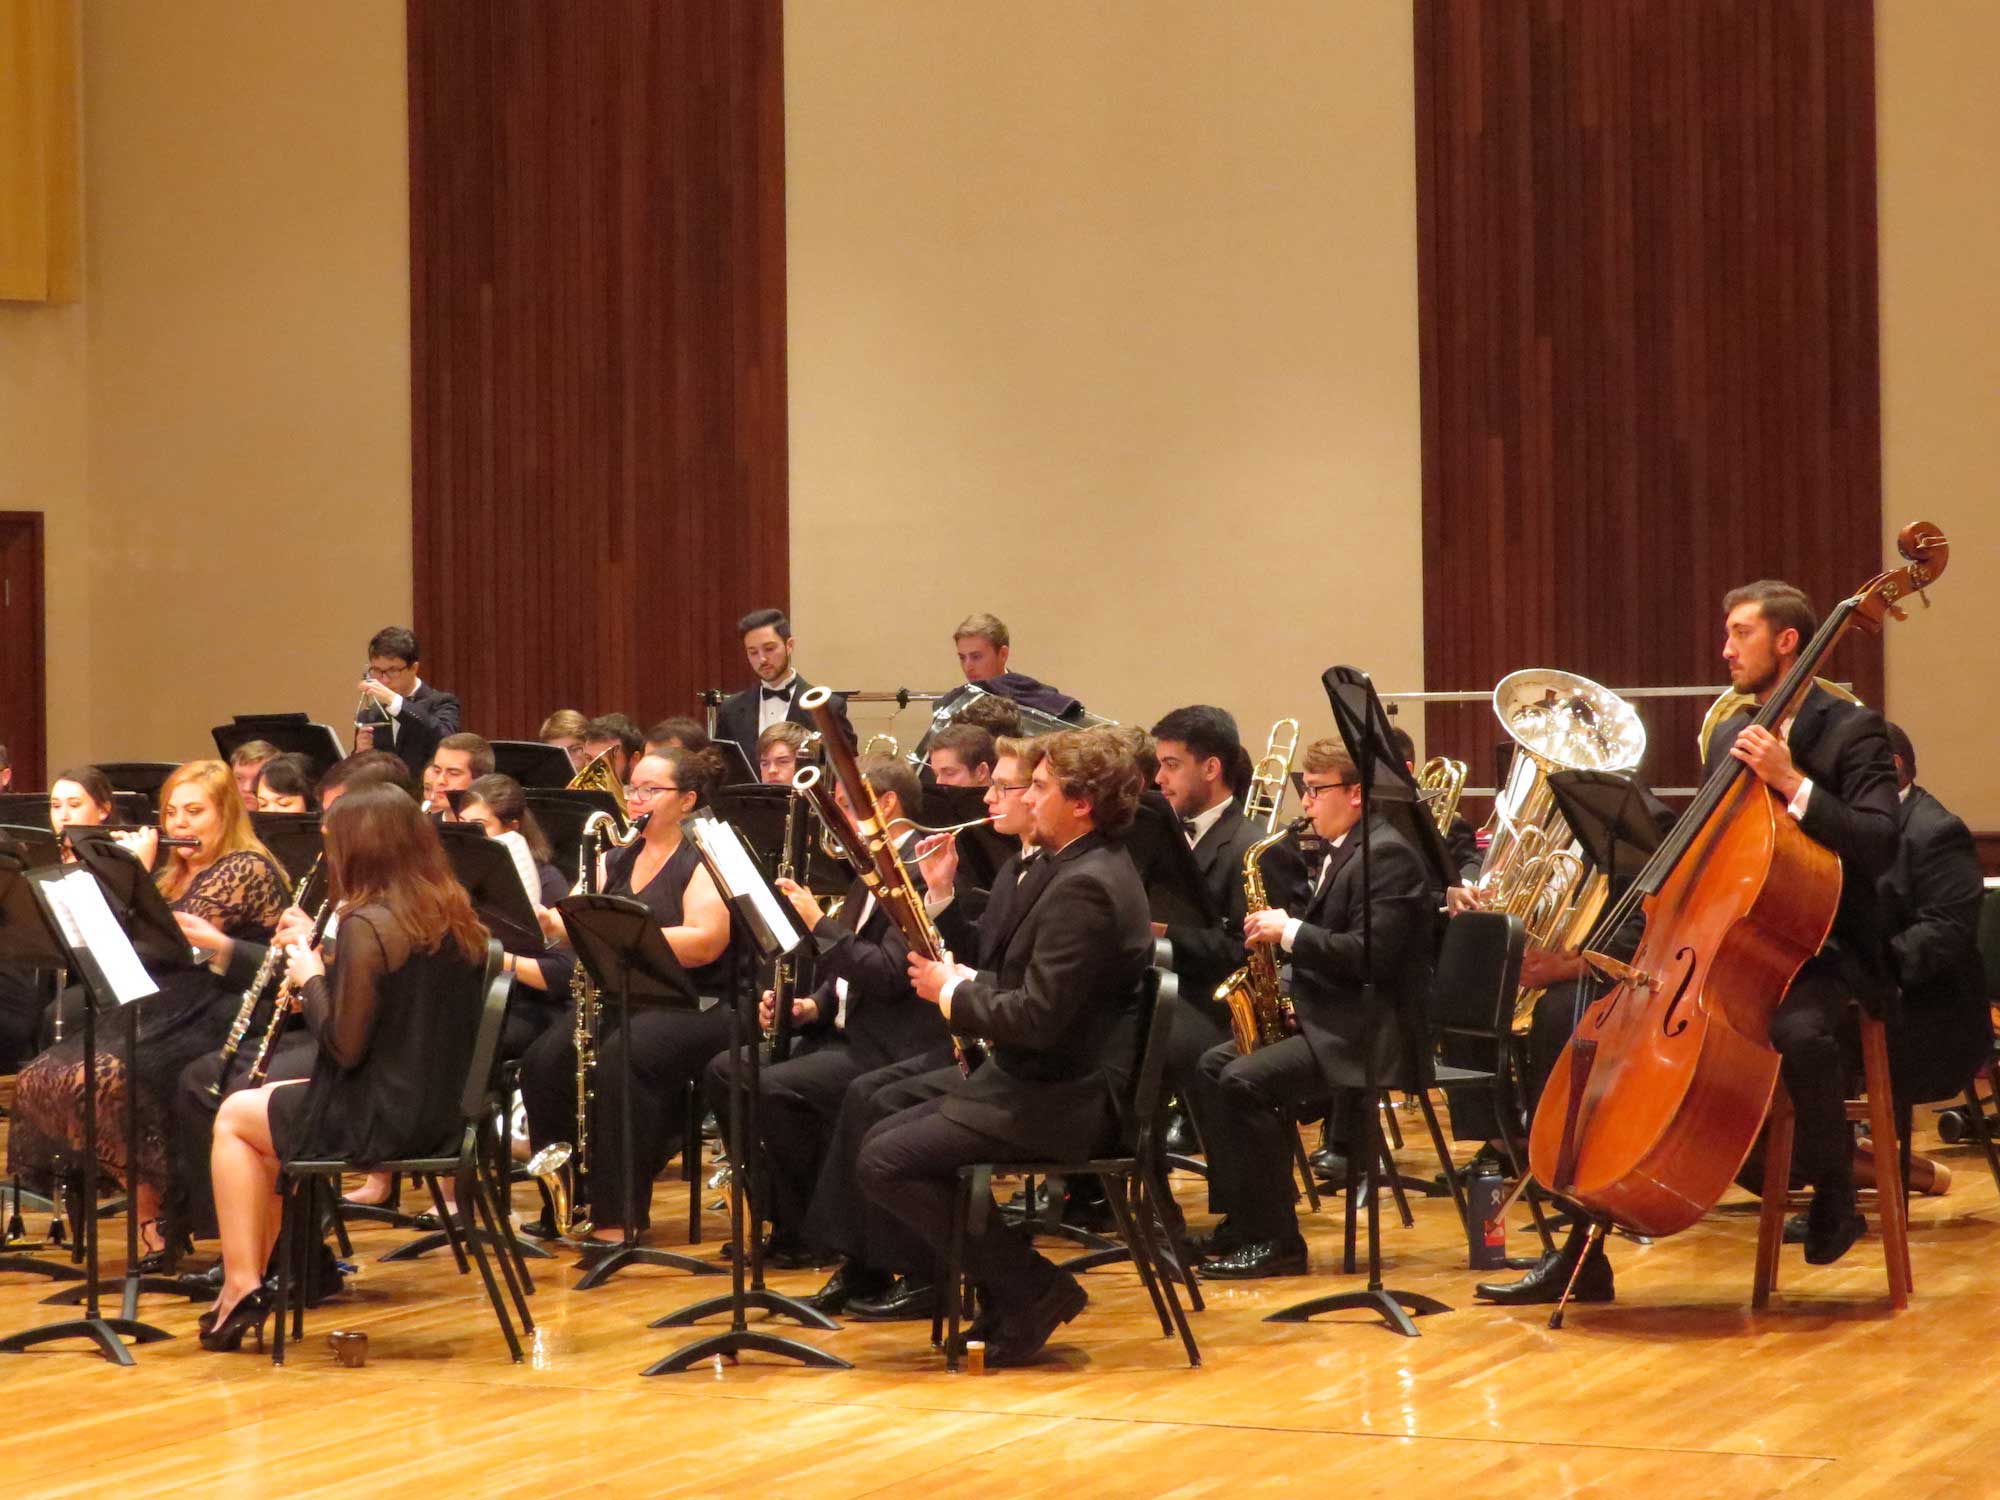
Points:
887	1020
429	714
1205	956
1931	895
1337	1018
737	718
1057	1003
1844	749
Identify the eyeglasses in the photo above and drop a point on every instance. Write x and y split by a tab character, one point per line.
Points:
383	674
1308	791
1002	788
637	793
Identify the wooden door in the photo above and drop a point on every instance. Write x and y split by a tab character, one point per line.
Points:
23	705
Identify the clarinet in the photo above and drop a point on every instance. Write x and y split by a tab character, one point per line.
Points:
267	971
286	1002
783	973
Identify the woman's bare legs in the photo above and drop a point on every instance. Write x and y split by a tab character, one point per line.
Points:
244	1168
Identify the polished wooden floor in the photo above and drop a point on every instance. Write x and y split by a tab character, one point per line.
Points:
1676	1387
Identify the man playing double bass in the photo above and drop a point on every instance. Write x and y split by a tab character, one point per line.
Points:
1832	765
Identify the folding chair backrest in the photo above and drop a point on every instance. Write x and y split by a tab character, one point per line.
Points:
1989	942
1158	990
1478	972
482	1071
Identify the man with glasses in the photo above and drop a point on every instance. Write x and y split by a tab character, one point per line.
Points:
1247	1100
874	1246
402	713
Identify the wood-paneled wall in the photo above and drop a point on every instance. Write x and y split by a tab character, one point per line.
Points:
598	348
1647	287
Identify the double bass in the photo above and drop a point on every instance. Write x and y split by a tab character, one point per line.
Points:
1661	1091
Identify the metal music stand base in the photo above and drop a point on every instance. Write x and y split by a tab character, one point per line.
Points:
1389	1306
436	1239
31	1265
131	1288
599	1266
763	1298
105	1332
734	1341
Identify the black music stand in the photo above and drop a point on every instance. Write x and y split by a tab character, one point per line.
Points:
294	839
562	814
31	930
757	812
24	941
533	764
35	848
1158	845
756	908
141	911
293	734
1364	729
620	946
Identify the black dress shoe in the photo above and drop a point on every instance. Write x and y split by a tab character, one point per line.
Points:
1286	1257
1179	1139
201	1286
1545	1283
905	1301
537	1228
850	1279
1832	1224
1795	1229
1221	1239
1022	1334
1330	1167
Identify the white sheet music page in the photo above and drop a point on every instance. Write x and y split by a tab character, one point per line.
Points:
524	865
79	904
740	877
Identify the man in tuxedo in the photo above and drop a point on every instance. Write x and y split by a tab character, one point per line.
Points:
886	1273
861	1015
1058	1012
459	760
1830	767
404	713
1203	767
983	644
1246	1098
769	645
1931	896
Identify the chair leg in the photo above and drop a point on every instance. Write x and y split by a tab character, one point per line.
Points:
1153	1231
487	1195
949	1292
1304	1164
445	1219
1891	1205
1452	1178
1140	1248
1776	1196
1975	1112
1355	1176
470	1203
288	1188
1156	1191
1386	1108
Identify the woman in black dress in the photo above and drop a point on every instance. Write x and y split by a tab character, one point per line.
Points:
223	887
391	1062
669	1047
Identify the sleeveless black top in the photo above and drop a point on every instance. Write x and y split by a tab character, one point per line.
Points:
662	896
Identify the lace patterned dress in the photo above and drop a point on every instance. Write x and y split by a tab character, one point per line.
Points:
241	893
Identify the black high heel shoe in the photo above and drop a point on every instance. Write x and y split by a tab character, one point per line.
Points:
226	1334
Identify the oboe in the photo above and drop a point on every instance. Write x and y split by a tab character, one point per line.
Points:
268	970
286	1001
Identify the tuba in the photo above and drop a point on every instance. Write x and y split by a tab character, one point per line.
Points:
1533	869
1440	784
1258	1014
1729	702
1266	792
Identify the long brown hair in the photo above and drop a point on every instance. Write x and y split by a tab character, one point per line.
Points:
218	784
381	851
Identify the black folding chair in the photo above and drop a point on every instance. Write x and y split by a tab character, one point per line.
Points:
306	1185
1134	1185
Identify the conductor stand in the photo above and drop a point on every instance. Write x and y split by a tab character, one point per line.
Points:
42	918
756	907
1363	727
620	947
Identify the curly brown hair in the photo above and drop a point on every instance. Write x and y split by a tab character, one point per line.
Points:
1096	766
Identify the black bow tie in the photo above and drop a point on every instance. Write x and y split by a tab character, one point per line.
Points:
1189	827
783	694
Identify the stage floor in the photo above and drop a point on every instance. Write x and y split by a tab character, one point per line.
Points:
1677	1385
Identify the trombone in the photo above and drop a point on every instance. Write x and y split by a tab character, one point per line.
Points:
1266	792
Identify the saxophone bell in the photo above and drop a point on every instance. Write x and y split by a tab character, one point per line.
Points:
554	1168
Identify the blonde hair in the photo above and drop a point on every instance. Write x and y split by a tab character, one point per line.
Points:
218	784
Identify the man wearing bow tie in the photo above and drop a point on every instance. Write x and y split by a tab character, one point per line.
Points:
768	643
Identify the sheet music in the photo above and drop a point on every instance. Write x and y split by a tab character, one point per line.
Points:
86	920
741	878
524	865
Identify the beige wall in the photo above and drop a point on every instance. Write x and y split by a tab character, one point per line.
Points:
1939	117
247	284
1103	318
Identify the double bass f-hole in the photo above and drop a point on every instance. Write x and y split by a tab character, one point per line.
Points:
1667	1026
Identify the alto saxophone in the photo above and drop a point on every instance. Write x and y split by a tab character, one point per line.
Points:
1258	1014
